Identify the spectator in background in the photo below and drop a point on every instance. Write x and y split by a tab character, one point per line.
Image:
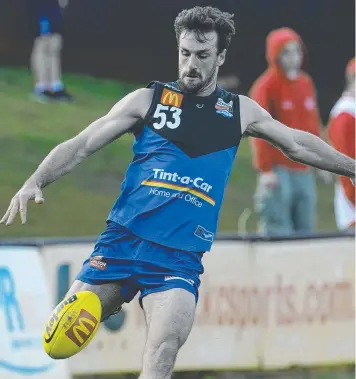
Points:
46	20
341	131
286	192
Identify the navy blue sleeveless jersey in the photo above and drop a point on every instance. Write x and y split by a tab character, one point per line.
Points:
183	155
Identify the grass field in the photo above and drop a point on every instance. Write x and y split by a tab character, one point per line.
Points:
78	204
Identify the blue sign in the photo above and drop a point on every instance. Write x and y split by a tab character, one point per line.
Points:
24	308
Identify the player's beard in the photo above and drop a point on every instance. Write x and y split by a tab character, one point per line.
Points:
198	83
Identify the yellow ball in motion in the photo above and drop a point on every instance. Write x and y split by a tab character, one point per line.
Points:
72	325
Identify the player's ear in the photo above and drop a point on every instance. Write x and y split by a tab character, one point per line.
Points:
221	57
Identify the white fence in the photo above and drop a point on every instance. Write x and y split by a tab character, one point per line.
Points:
263	305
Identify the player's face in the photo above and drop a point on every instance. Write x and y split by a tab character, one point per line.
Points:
291	56
198	61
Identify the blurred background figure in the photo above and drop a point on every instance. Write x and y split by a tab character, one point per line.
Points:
341	131
285	198
46	25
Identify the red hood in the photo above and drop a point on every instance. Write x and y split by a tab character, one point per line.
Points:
275	42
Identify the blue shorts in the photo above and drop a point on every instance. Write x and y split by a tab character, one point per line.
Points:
140	265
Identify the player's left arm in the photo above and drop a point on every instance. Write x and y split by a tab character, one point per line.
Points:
297	145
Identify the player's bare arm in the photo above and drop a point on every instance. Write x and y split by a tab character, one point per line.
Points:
297	145
65	157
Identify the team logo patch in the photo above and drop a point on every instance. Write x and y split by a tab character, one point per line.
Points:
170	97
97	262
225	109
82	328
204	234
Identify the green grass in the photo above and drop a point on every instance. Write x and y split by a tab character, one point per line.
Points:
77	205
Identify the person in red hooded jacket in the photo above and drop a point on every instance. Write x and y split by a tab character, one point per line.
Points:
341	130
286	193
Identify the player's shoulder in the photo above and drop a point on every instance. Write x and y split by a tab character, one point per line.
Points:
156	84
250	112
140	97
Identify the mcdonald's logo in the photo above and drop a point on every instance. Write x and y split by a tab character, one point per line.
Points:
82	328
171	98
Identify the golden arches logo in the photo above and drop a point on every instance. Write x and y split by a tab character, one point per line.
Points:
82	328
171	98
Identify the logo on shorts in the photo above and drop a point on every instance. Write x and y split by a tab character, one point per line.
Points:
190	281
225	109
97	262
82	328
204	234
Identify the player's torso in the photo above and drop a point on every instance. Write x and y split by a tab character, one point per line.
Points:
182	160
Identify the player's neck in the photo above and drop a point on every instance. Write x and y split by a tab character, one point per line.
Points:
208	90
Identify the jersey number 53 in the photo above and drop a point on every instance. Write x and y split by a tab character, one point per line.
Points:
161	114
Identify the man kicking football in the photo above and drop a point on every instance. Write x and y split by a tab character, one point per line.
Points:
186	136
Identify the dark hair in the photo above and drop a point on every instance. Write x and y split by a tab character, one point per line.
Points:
206	19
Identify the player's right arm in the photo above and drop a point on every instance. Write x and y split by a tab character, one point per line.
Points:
66	156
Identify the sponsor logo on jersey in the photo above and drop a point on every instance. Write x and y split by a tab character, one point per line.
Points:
197	186
204	234
170	97
82	328
225	109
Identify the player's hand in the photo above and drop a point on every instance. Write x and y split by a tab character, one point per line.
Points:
268	179
29	191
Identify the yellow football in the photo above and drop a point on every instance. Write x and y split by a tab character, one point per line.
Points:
72	325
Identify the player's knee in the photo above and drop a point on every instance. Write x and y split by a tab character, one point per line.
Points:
158	359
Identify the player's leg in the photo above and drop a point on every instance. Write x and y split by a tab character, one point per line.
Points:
103	273
110	295
169	283
169	318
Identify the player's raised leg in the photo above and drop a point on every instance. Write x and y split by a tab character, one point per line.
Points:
169	318
108	293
